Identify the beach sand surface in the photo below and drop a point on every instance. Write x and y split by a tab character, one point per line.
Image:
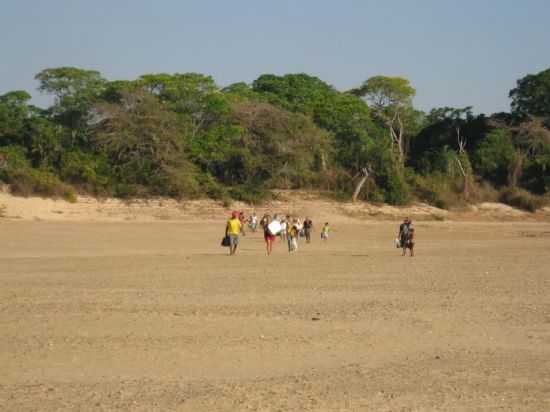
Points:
154	316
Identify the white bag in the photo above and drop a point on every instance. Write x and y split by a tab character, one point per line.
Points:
397	243
274	227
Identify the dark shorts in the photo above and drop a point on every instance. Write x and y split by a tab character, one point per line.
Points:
233	240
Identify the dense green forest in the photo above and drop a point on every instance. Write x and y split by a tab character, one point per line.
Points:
183	136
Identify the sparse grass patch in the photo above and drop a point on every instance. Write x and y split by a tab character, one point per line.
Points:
522	199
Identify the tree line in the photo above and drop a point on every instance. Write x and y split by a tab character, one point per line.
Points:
183	136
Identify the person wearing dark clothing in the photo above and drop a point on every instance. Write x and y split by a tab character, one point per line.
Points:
404	229
308	227
410	242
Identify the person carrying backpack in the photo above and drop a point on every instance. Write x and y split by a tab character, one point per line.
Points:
403	235
293	234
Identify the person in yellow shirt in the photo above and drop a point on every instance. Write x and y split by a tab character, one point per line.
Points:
232	231
293	233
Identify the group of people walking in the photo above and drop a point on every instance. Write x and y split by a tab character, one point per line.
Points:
286	228
292	229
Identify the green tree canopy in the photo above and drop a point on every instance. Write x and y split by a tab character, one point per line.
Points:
75	90
182	135
14	111
495	157
531	96
193	95
383	92
295	92
145	144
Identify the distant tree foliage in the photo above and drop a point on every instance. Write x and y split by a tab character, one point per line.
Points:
181	135
531	96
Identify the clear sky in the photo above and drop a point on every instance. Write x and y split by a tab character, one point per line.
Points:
455	52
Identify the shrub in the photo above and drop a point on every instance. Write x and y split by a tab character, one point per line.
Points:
395	188
15	159
176	183
495	156
70	196
84	169
482	191
210	187
250	194
227	202
129	190
439	190
27	182
522	199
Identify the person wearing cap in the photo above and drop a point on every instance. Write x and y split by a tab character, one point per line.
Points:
233	230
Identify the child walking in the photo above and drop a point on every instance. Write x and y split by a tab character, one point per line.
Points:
325	232
409	243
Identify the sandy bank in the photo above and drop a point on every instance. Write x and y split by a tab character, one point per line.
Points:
296	203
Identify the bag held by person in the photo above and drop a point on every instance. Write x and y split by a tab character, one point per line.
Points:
398	243
226	242
274	227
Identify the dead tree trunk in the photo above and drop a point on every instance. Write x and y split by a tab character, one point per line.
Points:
397	136
462	150
515	173
359	186
323	162
466	187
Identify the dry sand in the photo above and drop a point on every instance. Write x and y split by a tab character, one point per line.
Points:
310	204
153	316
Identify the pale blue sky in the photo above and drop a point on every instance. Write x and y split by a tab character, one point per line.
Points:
455	52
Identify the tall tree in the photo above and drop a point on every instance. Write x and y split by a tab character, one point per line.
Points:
75	90
276	146
296	92
391	100
531	96
532	138
14	111
496	158
145	144
431	148
347	117
194	96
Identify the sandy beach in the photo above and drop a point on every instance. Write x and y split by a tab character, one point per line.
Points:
153	316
